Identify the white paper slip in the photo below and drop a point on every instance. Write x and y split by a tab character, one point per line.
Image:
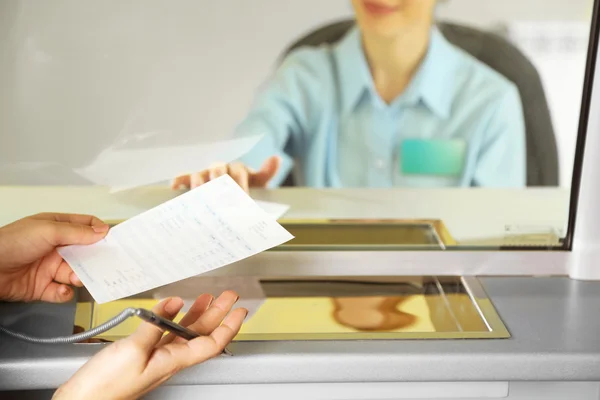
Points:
206	228
123	169
275	210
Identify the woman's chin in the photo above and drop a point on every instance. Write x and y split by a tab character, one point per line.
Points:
381	29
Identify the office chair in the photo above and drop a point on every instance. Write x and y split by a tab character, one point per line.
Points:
499	54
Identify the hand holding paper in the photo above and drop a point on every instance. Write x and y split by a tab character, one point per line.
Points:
207	228
244	176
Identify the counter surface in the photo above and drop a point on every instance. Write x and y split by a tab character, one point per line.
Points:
552	320
553	323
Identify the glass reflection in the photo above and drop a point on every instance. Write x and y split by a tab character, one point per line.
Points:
397	94
378	313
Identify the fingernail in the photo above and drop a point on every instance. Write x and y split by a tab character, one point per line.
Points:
172	305
64	290
246	315
100	228
237	298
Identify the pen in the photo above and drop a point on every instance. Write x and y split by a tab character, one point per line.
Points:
170	326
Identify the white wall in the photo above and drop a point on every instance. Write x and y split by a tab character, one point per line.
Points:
489	12
80	75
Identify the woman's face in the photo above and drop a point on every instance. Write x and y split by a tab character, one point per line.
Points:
392	18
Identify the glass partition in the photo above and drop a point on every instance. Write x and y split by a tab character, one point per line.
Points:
452	124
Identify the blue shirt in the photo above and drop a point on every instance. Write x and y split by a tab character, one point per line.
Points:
321	114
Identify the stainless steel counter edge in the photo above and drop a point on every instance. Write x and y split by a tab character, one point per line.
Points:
553	321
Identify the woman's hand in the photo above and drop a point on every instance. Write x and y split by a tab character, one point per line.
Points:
131	367
244	176
30	267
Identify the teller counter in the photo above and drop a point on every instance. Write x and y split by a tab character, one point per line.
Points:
550	348
324	330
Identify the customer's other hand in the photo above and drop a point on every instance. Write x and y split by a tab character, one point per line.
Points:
131	367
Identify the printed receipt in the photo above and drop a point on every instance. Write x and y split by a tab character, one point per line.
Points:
204	229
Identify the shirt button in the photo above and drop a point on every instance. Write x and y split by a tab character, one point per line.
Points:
380	164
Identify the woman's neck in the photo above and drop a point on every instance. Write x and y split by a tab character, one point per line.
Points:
393	62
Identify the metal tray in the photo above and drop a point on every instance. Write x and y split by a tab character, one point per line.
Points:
346	308
363	235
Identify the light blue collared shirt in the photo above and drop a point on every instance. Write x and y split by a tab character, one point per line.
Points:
322	115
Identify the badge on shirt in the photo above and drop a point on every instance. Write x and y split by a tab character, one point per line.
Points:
432	157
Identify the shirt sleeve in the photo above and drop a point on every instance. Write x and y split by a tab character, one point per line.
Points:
280	114
501	161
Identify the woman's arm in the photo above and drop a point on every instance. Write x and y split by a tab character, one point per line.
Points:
281	113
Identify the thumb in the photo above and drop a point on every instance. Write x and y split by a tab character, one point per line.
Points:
267	171
66	233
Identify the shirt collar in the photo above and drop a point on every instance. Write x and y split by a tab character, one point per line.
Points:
354	73
432	84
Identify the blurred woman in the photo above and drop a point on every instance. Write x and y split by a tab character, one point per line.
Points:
393	103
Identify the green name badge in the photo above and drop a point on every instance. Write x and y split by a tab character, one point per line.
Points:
433	157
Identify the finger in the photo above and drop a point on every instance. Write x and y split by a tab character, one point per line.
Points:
213	316
196	310
217	170
147	335
66	233
239	173
198	179
173	357
180	181
75	281
266	173
63	272
205	347
230	327
81	219
57	293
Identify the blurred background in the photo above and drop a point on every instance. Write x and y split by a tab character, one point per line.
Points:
78	77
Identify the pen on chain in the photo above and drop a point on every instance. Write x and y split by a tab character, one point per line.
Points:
170	326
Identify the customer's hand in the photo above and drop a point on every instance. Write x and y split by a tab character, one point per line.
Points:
244	176
131	367
30	267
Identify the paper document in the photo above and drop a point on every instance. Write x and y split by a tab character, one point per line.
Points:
122	169
248	288
275	210
206	228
